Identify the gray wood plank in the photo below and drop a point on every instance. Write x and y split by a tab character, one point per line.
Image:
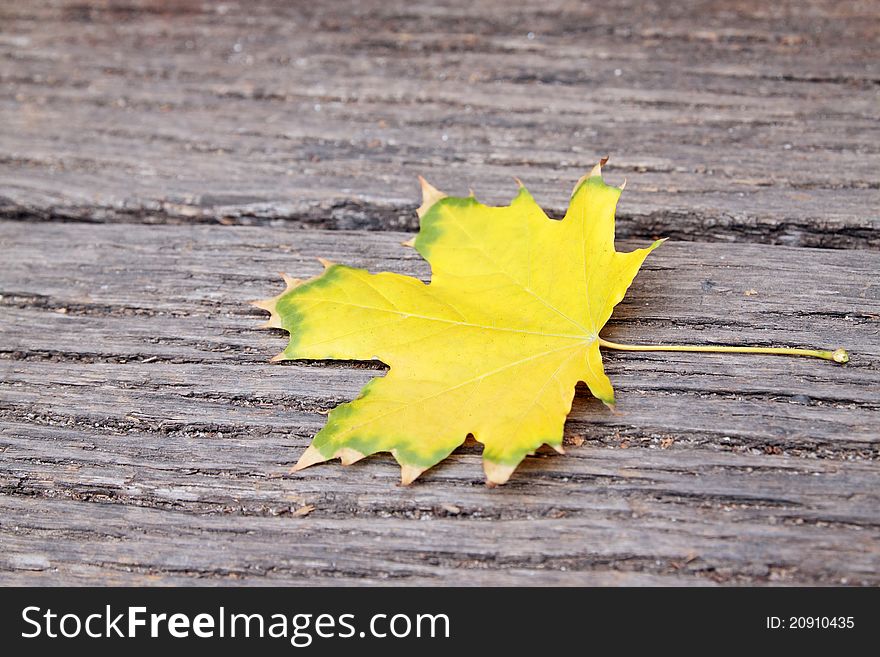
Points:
145	439
731	122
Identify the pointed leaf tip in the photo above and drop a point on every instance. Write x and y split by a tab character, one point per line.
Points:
430	195
409	473
290	282
349	455
497	473
657	243
265	304
270	304
309	457
597	170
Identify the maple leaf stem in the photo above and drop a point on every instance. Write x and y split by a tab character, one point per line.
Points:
838	355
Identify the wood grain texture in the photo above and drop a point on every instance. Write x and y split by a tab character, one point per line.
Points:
145	439
745	121
160	161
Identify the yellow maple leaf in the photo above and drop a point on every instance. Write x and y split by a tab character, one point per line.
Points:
493	347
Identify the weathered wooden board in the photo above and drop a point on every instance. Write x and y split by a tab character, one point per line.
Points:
159	160
742	121
146	439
